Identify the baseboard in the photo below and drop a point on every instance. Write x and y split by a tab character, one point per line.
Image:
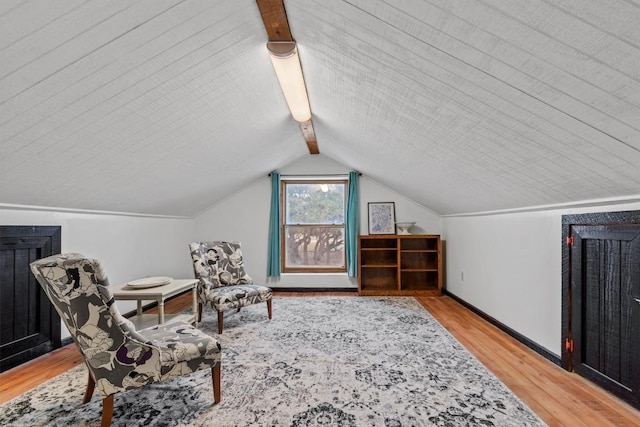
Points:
504	328
314	289
66	341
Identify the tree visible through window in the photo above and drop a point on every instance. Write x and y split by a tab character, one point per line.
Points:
313	229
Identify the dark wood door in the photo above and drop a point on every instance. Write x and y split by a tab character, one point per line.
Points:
29	325
605	307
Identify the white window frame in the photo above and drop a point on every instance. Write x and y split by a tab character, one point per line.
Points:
283	226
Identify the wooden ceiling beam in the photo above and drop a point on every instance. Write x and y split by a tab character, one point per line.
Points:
275	20
276	24
310	136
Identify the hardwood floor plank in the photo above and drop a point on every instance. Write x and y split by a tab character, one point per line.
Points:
560	398
23	378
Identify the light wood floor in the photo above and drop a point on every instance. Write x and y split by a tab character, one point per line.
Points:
560	398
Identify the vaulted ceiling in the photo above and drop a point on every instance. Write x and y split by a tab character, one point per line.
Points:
168	106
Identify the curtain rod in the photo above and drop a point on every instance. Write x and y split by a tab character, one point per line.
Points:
317	175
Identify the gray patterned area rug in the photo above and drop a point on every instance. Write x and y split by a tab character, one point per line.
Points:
329	361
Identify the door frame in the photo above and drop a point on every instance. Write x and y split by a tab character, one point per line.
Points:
599	218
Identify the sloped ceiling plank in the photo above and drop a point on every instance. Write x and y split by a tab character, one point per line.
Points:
165	93
565	57
482	102
625	15
123	54
419	67
9	6
20	18
126	85
572	169
578	60
68	39
148	151
599	43
524	71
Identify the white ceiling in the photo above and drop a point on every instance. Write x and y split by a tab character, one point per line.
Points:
168	106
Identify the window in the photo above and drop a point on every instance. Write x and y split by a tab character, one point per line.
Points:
313	225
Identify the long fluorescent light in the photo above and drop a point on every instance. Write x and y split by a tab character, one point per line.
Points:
284	56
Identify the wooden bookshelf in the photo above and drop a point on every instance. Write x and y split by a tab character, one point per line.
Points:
400	265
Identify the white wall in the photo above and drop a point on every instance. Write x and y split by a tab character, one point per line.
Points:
510	267
245	217
511	262
129	247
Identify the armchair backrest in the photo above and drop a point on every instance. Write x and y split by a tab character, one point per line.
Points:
79	290
218	263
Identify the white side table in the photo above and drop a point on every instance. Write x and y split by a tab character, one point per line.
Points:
158	294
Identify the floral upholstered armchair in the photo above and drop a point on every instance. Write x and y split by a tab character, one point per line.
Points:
223	283
118	356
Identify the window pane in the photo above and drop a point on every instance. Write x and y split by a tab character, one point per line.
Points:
314	247
314	203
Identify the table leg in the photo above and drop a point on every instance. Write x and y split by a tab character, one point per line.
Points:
161	311
139	307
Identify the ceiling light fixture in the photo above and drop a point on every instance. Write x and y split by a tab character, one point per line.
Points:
284	56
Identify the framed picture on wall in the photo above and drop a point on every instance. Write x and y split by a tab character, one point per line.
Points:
382	218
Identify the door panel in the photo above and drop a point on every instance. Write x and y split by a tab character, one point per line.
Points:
29	325
605	269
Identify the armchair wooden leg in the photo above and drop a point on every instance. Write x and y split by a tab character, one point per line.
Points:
215	376
269	310
220	318
199	312
91	384
107	411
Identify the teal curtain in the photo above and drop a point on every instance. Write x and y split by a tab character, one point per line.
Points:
273	254
352	225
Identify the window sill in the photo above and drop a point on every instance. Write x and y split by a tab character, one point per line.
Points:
314	274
